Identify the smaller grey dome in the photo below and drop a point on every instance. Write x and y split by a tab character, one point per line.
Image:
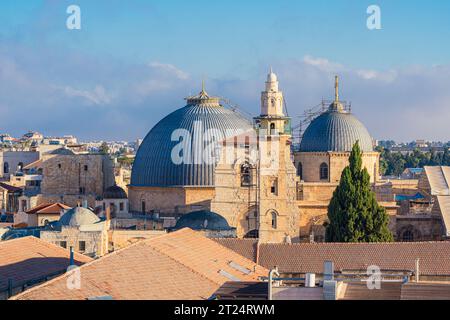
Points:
114	192
78	216
202	220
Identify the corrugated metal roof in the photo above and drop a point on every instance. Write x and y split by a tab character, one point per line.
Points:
203	118
439	179
444	205
337	131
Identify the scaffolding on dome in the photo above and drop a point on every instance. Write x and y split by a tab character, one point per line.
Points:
308	116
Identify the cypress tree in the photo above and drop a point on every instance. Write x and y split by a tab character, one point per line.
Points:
354	214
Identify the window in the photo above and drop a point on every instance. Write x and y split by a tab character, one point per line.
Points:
143	207
59	165
85	167
121	206
20	167
81	246
300	170
274	187
274	220
104	206
323	171
408	236
246	175
63	244
6	167
82	190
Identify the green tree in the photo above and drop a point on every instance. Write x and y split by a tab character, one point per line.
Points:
354	214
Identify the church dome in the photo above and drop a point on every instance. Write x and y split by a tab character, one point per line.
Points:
202	220
114	192
336	130
201	119
78	216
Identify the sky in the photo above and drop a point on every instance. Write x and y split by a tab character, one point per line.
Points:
133	62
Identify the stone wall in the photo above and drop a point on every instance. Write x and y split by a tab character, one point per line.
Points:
177	200
71	178
336	162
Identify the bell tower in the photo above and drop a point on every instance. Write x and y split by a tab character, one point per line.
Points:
272	119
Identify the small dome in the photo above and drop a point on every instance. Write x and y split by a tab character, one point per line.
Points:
203	220
114	192
78	216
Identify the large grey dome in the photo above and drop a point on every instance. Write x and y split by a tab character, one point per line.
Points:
154	167
337	131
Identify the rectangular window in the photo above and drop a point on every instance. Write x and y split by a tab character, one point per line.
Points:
81	246
59	165
143	206
121	206
63	244
85	168
82	190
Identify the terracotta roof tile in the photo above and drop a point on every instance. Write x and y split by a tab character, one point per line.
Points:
48	208
30	258
178	265
300	258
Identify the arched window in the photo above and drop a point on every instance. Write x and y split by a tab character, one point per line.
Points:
274	220
274	187
300	170
408	236
246	175
323	171
6	167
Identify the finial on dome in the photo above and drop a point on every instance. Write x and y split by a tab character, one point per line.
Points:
203	85
336	88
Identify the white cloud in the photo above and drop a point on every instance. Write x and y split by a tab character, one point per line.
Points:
323	64
171	69
97	96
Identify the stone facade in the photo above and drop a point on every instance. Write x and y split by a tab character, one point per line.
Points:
309	164
175	200
11	161
70	179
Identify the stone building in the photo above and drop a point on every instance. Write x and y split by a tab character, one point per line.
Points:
80	229
427	217
251	175
72	178
116	199
14	161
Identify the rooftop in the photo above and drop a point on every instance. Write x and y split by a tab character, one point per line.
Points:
301	258
178	265
30	258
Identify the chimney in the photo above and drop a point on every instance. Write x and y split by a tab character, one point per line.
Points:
72	261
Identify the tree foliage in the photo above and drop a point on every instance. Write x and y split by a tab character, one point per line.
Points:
354	214
394	163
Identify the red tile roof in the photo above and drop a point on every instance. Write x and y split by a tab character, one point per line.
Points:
48	208
30	258
179	265
300	258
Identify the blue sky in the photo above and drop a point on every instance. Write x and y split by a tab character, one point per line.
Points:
134	61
